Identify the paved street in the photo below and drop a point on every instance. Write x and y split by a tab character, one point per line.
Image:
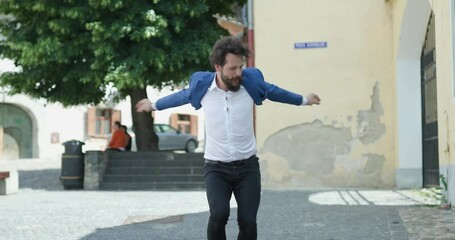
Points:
42	210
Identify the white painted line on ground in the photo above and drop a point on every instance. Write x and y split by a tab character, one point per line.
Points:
358	198
347	197
326	198
386	197
373	197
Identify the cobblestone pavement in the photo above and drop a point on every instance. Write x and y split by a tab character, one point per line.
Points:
429	223
42	210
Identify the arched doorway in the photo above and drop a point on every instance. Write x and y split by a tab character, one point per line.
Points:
409	173
429	108
16	132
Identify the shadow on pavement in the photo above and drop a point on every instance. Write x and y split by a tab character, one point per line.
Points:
46	179
276	220
179	227
282	215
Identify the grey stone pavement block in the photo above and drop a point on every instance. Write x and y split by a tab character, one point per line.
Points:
42	210
42	214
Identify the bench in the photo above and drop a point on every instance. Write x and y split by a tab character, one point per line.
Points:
9	182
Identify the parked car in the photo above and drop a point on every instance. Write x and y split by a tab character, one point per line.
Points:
172	139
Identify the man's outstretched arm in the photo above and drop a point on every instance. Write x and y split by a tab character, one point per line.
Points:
277	94
174	100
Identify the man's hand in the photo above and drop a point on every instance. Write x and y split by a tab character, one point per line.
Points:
144	105
312	99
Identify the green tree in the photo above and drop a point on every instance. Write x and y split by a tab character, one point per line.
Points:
69	51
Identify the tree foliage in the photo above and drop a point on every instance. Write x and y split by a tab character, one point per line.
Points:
70	50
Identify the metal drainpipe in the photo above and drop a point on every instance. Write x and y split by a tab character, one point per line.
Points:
250	33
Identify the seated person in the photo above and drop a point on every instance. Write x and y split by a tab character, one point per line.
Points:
118	139
128	139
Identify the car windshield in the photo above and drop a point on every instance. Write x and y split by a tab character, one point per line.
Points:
165	129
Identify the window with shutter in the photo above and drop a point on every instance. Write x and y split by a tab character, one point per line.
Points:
100	121
185	123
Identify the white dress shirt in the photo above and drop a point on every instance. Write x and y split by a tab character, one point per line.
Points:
228	124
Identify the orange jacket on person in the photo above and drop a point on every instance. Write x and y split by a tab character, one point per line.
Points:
118	139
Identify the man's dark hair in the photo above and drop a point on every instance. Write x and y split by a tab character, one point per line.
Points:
227	45
118	124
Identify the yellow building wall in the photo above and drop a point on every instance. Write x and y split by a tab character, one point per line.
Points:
444	71
443	11
445	90
349	140
398	8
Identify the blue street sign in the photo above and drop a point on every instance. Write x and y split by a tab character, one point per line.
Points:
310	45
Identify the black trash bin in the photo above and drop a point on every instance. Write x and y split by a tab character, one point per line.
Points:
72	175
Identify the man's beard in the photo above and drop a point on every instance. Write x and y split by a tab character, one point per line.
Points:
231	83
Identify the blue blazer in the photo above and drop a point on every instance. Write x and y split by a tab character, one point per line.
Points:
252	81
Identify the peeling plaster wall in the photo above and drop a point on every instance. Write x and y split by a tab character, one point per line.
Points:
369	124
318	155
349	140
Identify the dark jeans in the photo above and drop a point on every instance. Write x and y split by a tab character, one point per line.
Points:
244	180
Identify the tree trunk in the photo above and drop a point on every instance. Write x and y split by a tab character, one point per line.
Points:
146	139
